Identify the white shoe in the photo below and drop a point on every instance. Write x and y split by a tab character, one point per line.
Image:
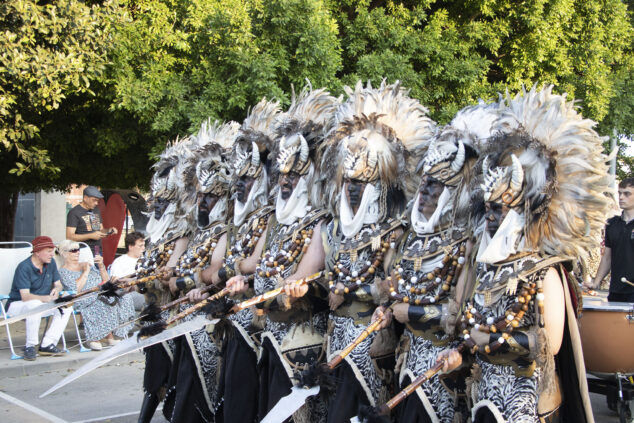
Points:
112	342
95	345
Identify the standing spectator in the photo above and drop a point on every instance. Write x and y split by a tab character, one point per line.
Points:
125	265
102	316
36	281
619	248
83	223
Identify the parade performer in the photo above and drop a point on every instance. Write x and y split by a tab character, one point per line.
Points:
544	185
167	240
293	333
193	384
429	260
368	169
242	246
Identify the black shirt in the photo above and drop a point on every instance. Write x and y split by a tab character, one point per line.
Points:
619	237
85	222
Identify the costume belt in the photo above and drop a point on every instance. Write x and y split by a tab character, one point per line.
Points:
360	311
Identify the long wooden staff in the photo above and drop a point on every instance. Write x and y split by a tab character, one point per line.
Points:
159	327
373	327
386	408
272	293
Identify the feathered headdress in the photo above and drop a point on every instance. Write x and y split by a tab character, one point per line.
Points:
170	169
375	136
300	131
451	155
255	139
213	172
547	161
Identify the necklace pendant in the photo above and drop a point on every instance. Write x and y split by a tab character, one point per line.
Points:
418	263
511	286
353	255
488	298
376	242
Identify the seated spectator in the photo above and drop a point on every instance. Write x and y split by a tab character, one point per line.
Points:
36	281
125	265
102	316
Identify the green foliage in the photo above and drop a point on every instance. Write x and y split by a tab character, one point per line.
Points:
47	52
178	63
84	87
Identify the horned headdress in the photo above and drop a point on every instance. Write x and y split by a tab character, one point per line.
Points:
255	139
375	135
300	131
451	155
167	180
213	171
547	161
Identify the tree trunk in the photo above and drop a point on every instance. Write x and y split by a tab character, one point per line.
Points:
8	207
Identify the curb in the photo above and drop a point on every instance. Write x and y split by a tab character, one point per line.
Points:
19	368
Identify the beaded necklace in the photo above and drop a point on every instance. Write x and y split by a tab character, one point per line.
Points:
284	258
529	292
187	264
156	259
444	275
352	280
245	246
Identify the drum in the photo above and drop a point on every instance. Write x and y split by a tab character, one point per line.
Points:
607	335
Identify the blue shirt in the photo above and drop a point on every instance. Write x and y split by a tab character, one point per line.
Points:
27	276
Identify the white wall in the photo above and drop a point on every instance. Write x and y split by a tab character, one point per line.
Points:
50	215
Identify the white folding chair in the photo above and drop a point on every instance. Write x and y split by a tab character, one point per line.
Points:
11	254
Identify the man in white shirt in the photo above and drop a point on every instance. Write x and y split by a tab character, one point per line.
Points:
125	265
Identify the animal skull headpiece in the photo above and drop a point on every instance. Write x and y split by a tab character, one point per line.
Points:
213	172
255	138
302	127
545	157
375	138
167	180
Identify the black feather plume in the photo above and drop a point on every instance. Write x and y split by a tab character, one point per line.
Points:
64	299
109	290
151	330
151	313
318	374
218	308
368	414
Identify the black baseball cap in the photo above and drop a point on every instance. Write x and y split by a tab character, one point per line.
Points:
91	191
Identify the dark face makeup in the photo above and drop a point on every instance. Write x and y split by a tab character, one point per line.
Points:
160	205
205	203
354	192
288	182
430	190
243	187
495	214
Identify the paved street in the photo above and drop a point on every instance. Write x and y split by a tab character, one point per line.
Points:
109	394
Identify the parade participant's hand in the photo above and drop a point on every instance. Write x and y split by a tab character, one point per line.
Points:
400	312
293	290
382	312
196	295
335	300
165	273
237	285
480	338
454	360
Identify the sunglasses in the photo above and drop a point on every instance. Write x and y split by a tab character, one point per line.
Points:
73	250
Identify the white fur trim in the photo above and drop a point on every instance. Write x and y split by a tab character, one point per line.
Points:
491	406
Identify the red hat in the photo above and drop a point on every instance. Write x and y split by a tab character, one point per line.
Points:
42	242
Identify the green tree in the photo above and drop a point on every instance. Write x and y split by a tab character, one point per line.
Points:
56	127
